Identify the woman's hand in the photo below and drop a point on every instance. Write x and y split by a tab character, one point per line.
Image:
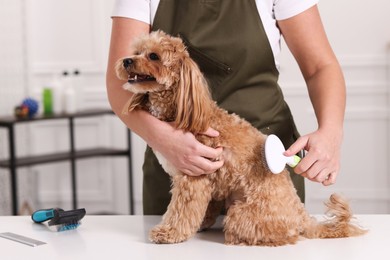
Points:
185	152
322	161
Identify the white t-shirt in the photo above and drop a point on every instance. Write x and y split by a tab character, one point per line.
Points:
269	10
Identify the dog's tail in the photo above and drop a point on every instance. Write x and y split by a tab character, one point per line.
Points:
338	225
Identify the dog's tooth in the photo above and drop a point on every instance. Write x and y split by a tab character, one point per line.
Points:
136	76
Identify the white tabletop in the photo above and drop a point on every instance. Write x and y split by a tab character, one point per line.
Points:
126	237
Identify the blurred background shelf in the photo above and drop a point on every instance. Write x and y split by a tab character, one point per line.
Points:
64	156
13	162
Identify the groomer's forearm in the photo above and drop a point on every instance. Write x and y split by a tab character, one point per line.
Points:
124	31
140	122
328	96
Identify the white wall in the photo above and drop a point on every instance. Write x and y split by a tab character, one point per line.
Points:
13	82
74	35
360	38
41	39
62	37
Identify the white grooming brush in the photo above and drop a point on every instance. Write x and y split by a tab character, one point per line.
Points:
276	161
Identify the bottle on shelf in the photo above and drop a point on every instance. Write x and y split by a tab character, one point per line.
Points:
47	101
58	95
78	88
70	101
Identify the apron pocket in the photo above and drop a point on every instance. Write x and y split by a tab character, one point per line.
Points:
214	71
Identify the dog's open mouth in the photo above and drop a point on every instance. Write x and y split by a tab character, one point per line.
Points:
136	78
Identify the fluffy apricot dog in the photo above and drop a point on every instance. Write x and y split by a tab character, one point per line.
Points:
266	209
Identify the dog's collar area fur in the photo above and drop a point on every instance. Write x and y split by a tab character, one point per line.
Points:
161	104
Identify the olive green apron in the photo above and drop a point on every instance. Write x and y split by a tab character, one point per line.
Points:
227	40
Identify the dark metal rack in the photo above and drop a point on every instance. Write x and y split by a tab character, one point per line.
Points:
72	155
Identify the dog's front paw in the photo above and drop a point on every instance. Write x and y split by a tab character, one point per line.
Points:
166	235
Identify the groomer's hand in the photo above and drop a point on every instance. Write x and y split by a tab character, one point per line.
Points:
185	152
322	160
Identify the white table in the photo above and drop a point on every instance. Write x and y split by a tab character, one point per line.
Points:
125	237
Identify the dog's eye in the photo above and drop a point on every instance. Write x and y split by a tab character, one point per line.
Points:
153	56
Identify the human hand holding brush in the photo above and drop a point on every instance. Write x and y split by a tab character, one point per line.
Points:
322	160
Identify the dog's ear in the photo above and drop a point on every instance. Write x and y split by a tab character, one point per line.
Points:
136	101
193	99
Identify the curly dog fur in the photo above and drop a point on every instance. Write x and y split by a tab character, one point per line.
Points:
265	209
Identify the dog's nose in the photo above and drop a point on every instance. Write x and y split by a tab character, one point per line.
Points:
127	62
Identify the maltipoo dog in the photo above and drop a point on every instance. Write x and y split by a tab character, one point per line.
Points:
265	209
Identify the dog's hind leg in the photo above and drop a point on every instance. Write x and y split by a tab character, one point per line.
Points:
190	197
254	224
